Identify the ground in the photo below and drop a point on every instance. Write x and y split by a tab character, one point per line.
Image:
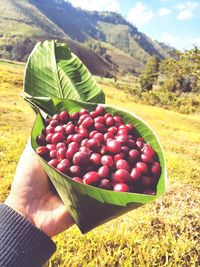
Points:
162	233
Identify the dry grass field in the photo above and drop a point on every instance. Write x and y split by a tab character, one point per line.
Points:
162	233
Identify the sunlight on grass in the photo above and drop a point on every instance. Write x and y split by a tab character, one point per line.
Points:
164	233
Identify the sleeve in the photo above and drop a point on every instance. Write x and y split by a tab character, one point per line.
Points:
21	243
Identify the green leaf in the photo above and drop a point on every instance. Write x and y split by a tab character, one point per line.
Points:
54	71
88	205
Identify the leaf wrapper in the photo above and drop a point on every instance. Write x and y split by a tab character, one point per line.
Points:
88	205
56	80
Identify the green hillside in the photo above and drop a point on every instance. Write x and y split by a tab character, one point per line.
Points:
123	47
164	233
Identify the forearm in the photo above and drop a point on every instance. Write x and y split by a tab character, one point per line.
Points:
21	243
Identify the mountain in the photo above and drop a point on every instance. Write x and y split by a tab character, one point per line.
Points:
105	41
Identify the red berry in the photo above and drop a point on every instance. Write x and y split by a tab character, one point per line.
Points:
83	111
63	167
95	159
121	187
74	116
113	146
100	119
54	123
105	184
141	166
88	122
53	162
83	132
61	144
49	137
49	129
122	138
91	178
51	146
135	174
71	151
110	121
70	129
121	155
122	164
42	151
93	133
100	127
112	130
56	117
155	169
64	116
99	136
100	110
61	153
57	137
75	170
107	161
85	149
104	172
134	155
122	176
139	144
93	144
118	119
41	140
146	158
53	154
81	158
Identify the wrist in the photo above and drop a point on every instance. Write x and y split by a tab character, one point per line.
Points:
19	206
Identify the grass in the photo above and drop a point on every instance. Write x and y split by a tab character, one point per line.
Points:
163	233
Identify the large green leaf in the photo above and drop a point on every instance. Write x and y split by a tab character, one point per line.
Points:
88	205
53	70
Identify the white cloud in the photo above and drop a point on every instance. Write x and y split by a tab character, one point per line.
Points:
140	14
187	10
170	39
102	5
185	14
164	11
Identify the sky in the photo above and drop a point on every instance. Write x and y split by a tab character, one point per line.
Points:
174	22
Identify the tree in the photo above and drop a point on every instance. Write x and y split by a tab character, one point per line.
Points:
149	74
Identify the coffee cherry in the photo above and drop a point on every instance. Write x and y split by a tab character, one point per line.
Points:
142	167
104	172
42	151
107	161
95	159
41	140
81	158
64	116
122	176
135	174
105	184
91	178
100	148
53	162
113	146
155	169
122	164
57	137
121	187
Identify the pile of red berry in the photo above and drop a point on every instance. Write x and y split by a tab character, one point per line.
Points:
98	149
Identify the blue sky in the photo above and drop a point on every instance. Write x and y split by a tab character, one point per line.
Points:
174	22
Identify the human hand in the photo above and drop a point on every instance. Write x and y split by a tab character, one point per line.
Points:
34	198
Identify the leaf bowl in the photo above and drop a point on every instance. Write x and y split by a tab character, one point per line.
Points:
88	205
